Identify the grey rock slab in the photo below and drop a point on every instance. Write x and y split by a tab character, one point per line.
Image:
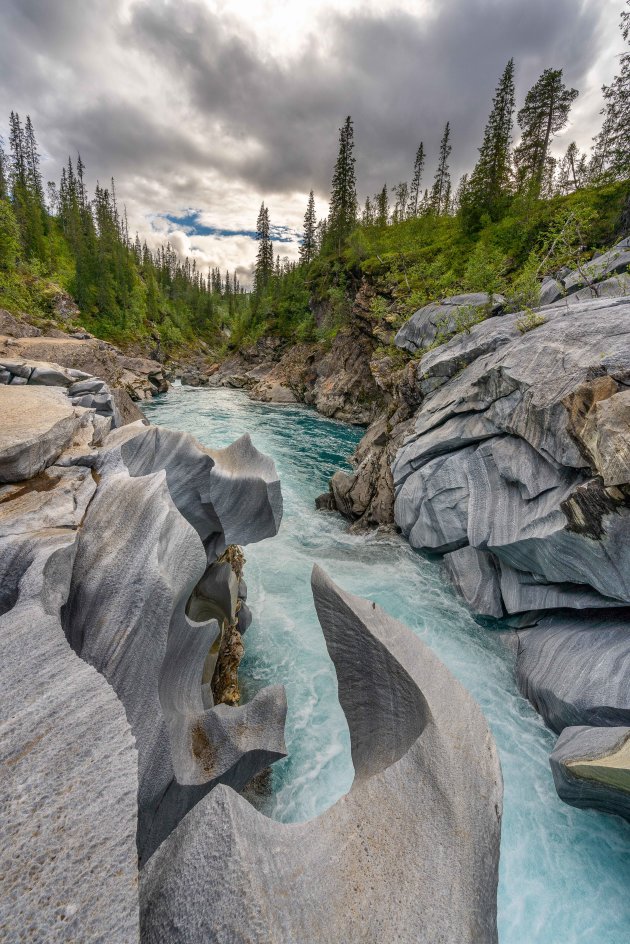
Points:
591	768
524	591
574	668
57	498
522	385
409	854
163	509
616	259
68	803
38	423
443	318
475	576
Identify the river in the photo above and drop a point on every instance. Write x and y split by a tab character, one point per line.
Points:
564	873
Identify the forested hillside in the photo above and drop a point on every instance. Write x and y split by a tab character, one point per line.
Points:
519	214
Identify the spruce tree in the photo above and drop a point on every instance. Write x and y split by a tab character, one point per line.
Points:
264	257
414	193
544	114
401	192
4	174
381	203
489	185
308	248
442	183
342	216
367	217
612	144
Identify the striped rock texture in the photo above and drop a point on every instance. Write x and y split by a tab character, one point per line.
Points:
409	854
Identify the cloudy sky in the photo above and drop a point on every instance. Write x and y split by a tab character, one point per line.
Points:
202	108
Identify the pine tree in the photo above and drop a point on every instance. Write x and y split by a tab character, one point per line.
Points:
612	144
342	216
418	170
34	177
544	114
442	182
264	257
489	184
381	203
309	247
567	177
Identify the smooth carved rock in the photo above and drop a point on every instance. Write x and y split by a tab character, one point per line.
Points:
475	576
443	318
409	854
68	805
528	426
57	498
591	768
38	423
574	669
164	509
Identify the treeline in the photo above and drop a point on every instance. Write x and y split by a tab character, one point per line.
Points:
510	196
124	289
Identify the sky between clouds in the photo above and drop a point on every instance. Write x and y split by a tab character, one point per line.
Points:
201	109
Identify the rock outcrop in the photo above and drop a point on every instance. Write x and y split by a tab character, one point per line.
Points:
139	378
440	320
409	854
591	768
121	595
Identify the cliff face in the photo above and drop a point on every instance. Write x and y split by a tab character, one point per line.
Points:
515	465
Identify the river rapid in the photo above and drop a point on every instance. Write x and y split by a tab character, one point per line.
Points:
564	873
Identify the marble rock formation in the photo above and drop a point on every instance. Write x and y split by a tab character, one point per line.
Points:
521	453
591	768
444	318
119	581
409	854
165	510
574	668
69	797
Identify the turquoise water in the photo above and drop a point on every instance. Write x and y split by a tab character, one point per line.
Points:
564	874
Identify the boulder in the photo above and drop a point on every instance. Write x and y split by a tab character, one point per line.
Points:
591	768
438	320
550	291
409	854
474	574
574	669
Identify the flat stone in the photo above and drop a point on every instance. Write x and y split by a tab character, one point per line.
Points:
68	804
550	291
38	423
56	498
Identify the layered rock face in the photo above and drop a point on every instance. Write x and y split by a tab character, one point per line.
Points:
409	854
518	471
118	548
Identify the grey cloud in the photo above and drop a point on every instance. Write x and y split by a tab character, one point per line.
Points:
400	77
185	109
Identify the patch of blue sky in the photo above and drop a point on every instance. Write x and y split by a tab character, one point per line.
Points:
192	225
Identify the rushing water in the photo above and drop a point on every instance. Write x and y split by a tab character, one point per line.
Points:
564	873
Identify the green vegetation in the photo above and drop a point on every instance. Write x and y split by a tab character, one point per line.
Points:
71	244
520	215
